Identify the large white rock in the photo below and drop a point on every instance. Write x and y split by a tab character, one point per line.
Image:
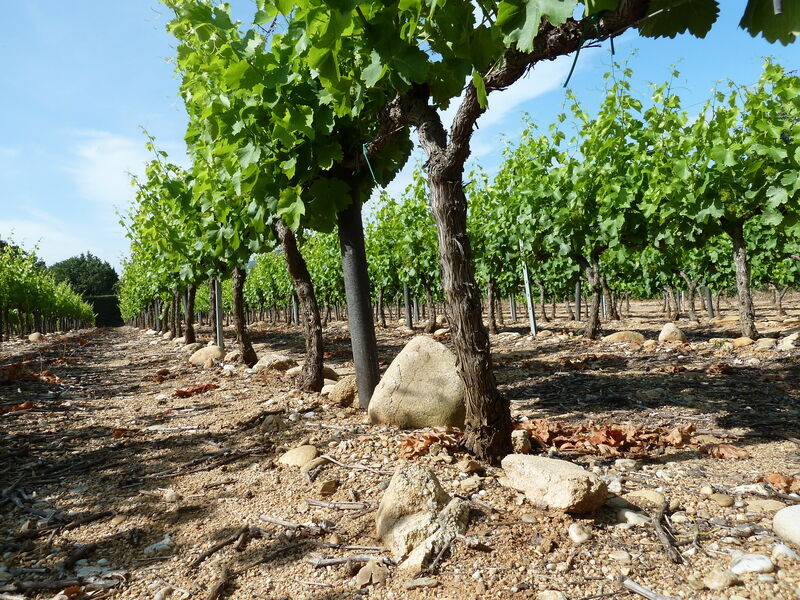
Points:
789	342
416	518
742	564
671	333
276	362
233	356
35	337
550	483
633	337
421	388
294	371
765	344
203	355
786	524
408	507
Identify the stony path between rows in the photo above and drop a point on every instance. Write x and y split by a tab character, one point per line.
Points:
113	487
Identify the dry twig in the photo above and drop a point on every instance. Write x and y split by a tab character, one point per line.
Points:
631	585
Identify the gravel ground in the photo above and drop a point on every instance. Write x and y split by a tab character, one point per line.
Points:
107	462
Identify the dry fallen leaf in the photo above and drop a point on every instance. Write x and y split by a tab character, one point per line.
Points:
197	389
670	369
679	436
119	432
725	451
417	444
372	572
784	483
606	440
17	407
719	369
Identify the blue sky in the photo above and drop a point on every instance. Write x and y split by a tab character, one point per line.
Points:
80	79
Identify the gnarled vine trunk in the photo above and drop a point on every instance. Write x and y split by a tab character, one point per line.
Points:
488	421
212	299
592	271
382	311
568	306
612	312
747	316
691	290
430	326
242	337
780	294
542	303
190	337
311	377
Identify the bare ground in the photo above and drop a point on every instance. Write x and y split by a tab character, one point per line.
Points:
106	461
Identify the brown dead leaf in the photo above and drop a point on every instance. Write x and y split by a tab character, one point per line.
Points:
719	369
197	389
679	436
119	432
724	451
13	372
783	483
772	377
670	369
417	444
573	365
606	439
27	405
371	573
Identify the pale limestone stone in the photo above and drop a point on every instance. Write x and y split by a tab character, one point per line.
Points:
421	388
549	483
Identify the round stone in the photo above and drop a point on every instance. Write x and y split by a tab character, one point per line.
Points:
722	500
720	580
579	533
786	524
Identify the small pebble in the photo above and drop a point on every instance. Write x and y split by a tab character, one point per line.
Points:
631	517
163	593
528	518
720	580
706	490
620	556
782	550
422	582
722	500
626	464
579	533
172	496
679	517
550	595
751	563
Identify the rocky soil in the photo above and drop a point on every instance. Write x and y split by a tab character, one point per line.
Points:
114	486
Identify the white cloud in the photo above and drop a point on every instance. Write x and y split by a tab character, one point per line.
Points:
101	165
6	152
545	77
54	242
